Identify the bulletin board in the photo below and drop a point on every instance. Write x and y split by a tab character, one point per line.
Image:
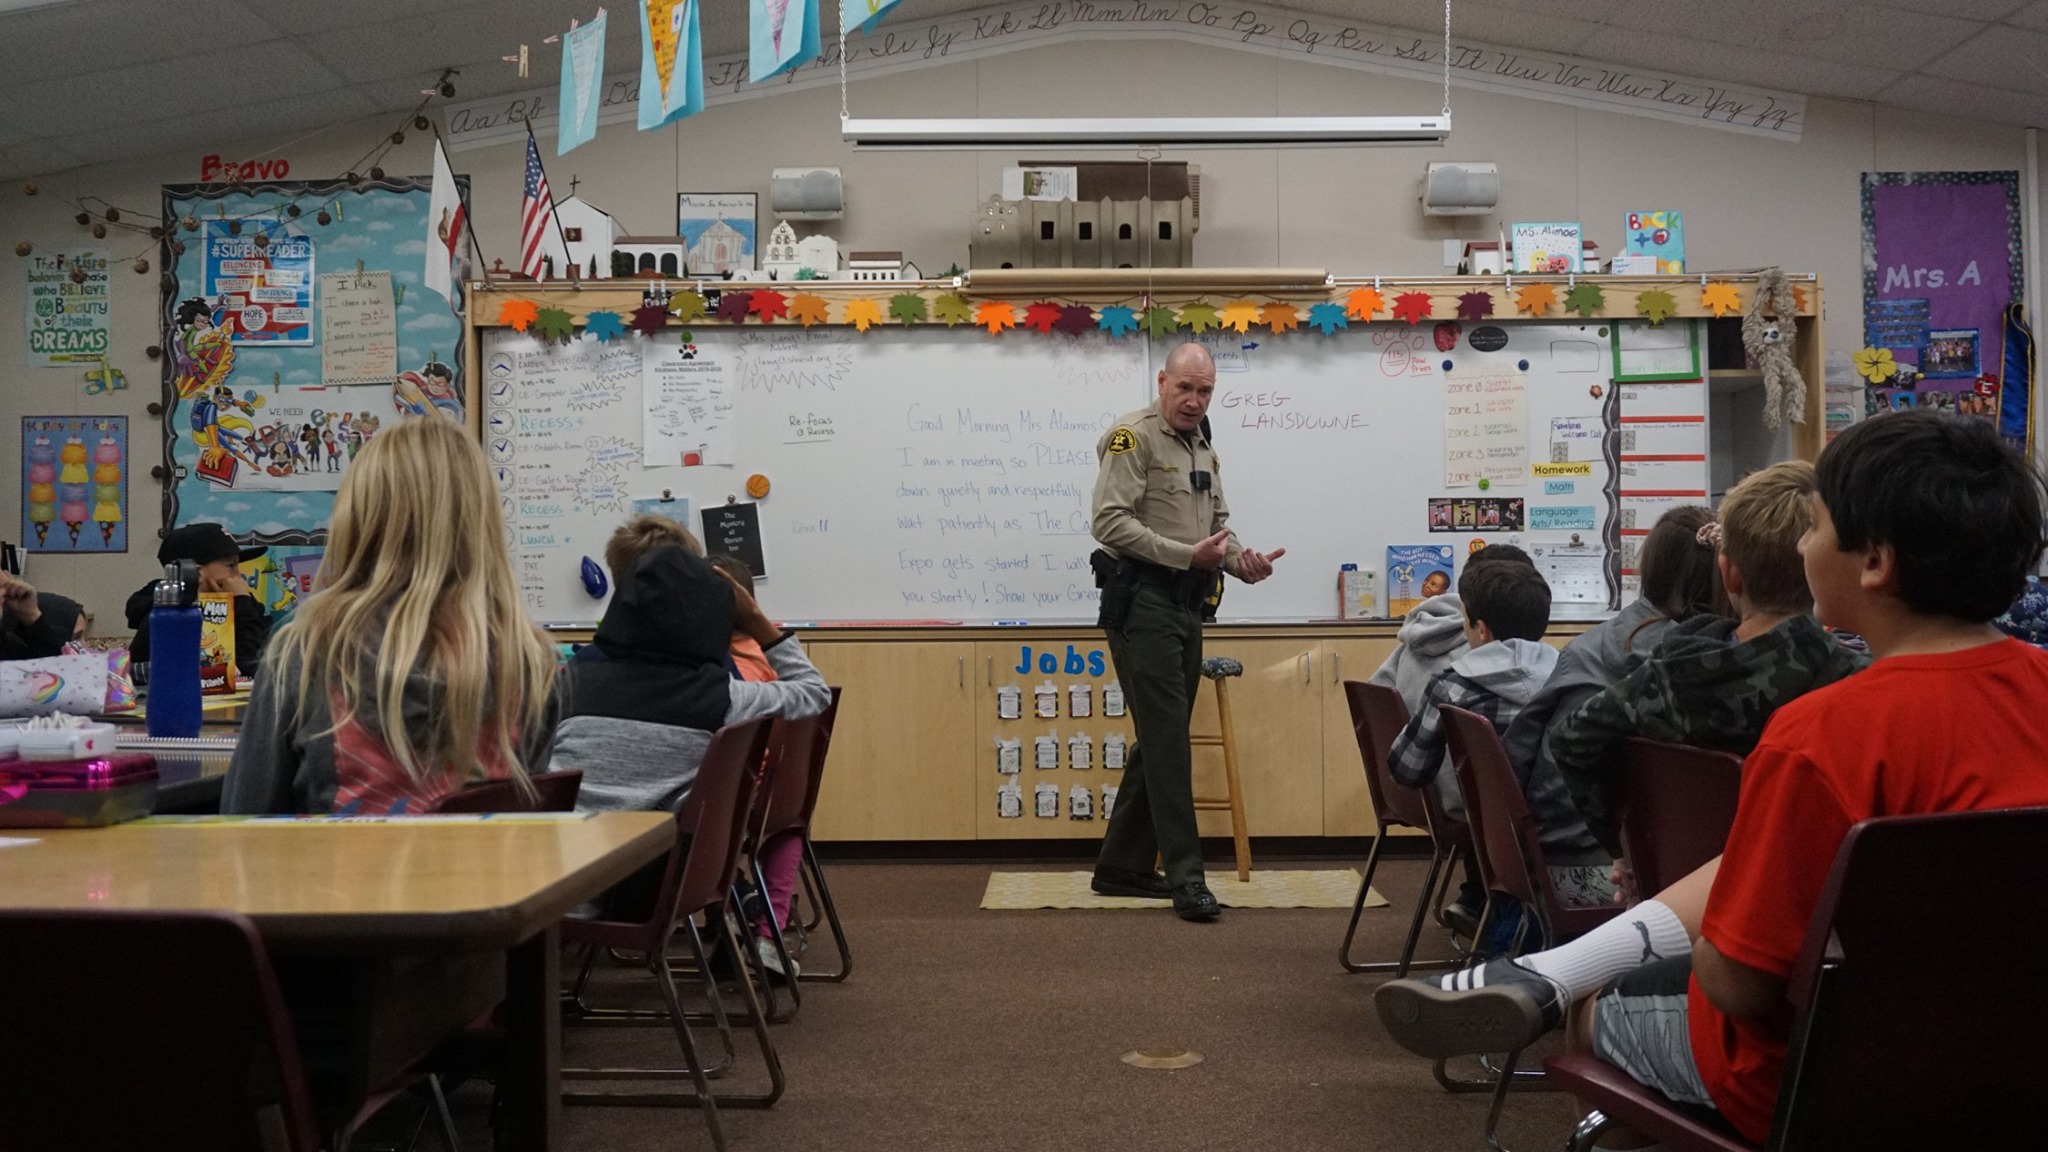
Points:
295	325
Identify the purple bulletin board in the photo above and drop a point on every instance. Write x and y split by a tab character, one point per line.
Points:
1941	260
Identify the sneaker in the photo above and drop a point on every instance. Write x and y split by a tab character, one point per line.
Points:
1462	919
1194	901
1499	1006
771	960
1124	882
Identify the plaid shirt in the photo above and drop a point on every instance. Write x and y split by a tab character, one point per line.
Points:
1493	684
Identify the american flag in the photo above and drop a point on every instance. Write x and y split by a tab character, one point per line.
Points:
536	213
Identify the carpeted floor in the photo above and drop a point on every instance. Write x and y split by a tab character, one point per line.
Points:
966	1030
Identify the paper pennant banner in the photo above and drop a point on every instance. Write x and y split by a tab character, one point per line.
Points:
768	305
784	34
1198	316
648	319
688	307
1412	306
733	306
670	44
582	84
1117	320
953	308
1327	317
860	16
1040	317
1721	296
1280	316
1656	304
555	325
1585	299
863	314
1364	304
1159	321
1239	315
605	326
1536	299
995	315
908	308
807	309
1075	319
518	314
1475	305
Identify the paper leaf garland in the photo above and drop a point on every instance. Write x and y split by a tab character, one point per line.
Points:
554	325
1412	306
687	307
863	314
1159	321
1040	317
1657	305
1721	296
518	314
1585	299
1364	304
1199	316
605	326
1117	320
1075	319
768	305
996	315
1536	299
908	308
1876	365
733	306
1239	315
1280	316
807	309
1327	318
953	309
648	319
1475	305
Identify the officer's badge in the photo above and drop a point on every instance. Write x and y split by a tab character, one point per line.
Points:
1122	440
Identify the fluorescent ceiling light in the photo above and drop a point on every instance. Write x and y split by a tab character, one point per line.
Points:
1141	131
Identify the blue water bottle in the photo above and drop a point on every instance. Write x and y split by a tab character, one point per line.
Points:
174	652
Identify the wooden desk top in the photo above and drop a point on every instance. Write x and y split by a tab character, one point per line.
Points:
370	888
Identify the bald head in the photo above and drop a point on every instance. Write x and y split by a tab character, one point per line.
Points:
1185	385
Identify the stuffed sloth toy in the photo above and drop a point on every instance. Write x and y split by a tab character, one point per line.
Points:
1768	339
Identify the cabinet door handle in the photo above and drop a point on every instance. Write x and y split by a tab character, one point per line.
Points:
1336	667
1309	671
963	671
988	671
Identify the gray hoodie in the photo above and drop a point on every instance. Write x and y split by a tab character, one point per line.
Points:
1497	681
1432	635
1601	656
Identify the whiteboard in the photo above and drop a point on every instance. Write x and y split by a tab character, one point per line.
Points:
932	474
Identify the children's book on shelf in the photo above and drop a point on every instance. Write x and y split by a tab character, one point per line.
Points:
1659	235
1548	247
1415	572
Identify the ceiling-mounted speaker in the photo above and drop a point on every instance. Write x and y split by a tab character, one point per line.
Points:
806	193
1460	188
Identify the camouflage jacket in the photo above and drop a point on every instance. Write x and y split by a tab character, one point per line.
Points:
1699	687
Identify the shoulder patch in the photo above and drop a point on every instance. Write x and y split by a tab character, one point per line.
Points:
1122	440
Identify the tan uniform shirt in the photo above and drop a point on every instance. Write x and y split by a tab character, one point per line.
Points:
1146	505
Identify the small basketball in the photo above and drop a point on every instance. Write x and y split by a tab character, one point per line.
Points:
757	486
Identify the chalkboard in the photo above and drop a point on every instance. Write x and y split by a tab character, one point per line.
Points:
933	474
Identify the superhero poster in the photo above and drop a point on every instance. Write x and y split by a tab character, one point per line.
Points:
261	282
74	483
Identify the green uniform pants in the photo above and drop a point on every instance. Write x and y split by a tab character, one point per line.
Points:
1158	654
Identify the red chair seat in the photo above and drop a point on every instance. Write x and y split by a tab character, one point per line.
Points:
1616	1094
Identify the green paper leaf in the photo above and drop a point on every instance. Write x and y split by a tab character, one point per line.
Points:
1200	316
554	324
1656	305
688	306
1159	321
908	308
953	309
1585	299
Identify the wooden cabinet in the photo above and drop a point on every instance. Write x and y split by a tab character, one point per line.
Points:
1347	805
1033	660
1278	716
902	749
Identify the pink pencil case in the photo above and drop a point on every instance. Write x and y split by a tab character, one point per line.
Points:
76	793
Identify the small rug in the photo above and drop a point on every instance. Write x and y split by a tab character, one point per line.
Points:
1268	888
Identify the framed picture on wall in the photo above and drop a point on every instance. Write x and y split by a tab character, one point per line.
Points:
718	230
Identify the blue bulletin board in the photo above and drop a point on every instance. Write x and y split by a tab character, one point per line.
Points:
255	436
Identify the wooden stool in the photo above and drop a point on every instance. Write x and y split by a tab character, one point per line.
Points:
1217	669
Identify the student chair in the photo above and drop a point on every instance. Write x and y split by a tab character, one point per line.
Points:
1509	853
146	1030
552	792
1677	805
816	890
1378	715
793	750
696	881
1893	1045
1216	670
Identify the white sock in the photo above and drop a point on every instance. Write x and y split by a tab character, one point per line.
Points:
1649	931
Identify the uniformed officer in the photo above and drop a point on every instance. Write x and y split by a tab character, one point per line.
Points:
1162	522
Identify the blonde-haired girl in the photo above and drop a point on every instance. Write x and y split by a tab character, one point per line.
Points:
412	670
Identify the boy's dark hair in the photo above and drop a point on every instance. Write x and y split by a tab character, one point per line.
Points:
1495	553
1960	509
1680	578
732	566
1512	600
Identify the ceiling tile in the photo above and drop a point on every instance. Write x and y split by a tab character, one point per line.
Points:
2033	15
174	137
208	85
9	133
296	17
1965	9
1735	65
1509	25
1971	101
2006	56
1851	34
65	39
429	43
34	158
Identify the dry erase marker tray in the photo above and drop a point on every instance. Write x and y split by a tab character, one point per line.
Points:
76	793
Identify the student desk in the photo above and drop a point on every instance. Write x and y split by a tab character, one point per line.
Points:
419	898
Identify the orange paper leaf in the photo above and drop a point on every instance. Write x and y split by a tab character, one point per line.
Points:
518	314
1536	299
807	309
1364	303
863	314
1240	315
1280	316
996	315
1721	296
